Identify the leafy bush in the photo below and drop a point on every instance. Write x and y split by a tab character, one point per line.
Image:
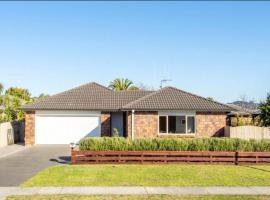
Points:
115	132
171	144
244	121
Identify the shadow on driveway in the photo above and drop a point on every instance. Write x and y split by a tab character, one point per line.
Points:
62	160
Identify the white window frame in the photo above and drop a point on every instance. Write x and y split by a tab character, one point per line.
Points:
177	113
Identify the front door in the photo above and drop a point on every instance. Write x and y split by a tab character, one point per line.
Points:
117	119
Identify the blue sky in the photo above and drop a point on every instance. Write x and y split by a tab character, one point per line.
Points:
217	49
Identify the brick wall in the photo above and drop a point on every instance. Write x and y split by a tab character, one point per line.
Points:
210	124
29	128
128	125
105	120
146	124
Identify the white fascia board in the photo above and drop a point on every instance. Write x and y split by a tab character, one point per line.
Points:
67	113
177	112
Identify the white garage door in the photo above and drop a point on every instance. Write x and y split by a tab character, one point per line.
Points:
64	127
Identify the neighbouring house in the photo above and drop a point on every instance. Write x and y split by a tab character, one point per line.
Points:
93	110
242	116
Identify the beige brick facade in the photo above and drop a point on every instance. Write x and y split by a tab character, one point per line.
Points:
105	120
29	128
128	125
146	125
210	124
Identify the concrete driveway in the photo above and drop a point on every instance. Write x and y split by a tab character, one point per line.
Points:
20	166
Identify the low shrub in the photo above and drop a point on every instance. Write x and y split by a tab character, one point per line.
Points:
173	144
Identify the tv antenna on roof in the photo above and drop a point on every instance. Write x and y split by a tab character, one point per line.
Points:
164	81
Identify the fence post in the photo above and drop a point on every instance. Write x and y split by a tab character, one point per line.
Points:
236	158
119	157
73	157
237	151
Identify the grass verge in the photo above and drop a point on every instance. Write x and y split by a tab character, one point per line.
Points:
152	175
134	197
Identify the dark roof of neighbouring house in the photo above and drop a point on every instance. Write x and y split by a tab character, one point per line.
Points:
93	96
239	110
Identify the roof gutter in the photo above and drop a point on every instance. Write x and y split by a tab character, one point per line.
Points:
57	109
196	110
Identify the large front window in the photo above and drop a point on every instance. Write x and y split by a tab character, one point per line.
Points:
182	124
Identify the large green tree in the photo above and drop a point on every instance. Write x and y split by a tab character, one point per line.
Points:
40	97
19	93
122	84
1	98
1	88
265	111
12	99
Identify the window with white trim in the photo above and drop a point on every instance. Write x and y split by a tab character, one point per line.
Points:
176	124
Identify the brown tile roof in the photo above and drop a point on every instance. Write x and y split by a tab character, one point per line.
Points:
170	98
93	96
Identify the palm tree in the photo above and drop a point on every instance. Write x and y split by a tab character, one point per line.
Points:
122	84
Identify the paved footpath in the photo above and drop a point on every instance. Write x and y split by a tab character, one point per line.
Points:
5	191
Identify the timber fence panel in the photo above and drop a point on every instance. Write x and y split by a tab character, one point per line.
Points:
166	157
248	132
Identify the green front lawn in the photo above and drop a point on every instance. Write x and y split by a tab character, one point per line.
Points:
135	197
152	175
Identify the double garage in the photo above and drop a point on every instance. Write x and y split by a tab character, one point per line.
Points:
64	127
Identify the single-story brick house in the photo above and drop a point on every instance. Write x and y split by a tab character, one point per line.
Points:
94	110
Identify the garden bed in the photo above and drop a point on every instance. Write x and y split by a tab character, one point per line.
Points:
174	144
135	197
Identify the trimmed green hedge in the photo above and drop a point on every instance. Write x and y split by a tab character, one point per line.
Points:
171	144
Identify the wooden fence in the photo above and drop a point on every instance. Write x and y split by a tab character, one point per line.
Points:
147	157
248	132
11	132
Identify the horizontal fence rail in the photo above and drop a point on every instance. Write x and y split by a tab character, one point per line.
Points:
166	157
